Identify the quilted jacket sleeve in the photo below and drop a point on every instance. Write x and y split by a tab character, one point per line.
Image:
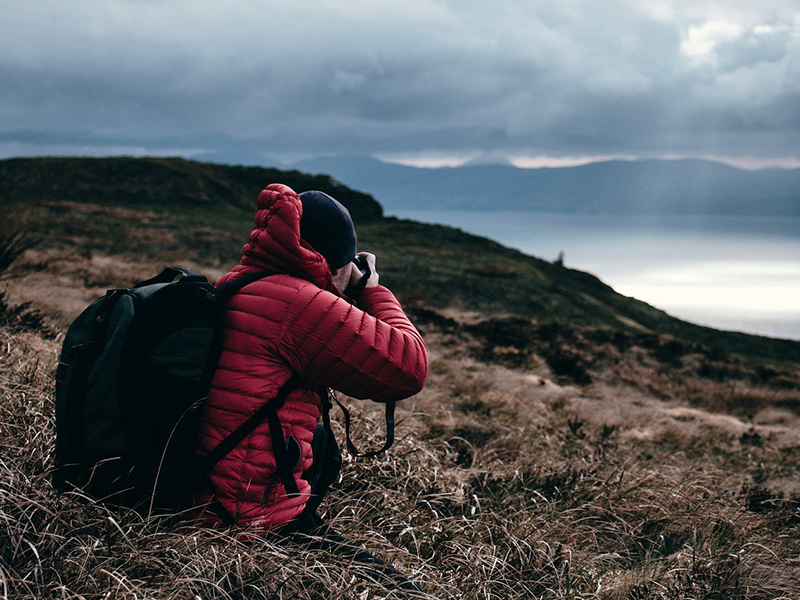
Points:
370	351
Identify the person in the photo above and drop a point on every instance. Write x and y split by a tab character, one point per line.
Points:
299	320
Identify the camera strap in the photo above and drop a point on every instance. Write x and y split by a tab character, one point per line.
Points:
351	447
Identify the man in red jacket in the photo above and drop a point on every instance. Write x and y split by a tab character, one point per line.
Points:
299	322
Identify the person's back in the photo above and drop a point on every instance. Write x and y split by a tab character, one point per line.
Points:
298	322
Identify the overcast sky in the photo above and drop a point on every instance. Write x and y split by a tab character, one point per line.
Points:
537	82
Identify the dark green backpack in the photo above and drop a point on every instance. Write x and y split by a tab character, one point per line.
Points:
134	369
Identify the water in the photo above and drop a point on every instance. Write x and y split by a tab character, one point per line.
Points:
732	273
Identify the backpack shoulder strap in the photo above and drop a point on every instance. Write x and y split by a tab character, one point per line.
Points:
234	285
268	411
172	274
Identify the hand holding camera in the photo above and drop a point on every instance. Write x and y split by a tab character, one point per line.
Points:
362	273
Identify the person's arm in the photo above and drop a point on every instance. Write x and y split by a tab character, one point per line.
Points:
370	351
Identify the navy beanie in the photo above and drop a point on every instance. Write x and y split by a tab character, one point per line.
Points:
327	226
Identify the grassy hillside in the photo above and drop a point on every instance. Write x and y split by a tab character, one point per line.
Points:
176	210
444	267
582	454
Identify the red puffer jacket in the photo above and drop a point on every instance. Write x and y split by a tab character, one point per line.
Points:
295	322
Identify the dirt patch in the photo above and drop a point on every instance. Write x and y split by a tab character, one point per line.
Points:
61	284
87	208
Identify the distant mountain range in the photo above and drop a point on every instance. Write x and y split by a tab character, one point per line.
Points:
613	187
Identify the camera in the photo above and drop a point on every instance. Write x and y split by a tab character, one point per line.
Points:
361	263
363	266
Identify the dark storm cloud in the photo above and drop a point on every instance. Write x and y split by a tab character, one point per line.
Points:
286	79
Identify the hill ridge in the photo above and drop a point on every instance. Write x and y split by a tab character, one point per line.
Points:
168	181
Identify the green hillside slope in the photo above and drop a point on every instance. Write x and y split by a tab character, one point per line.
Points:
173	210
444	267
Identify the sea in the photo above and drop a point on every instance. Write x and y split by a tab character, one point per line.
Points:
736	273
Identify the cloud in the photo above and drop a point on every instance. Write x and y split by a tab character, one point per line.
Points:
431	78
701	40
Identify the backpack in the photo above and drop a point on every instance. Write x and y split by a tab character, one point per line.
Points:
135	367
134	370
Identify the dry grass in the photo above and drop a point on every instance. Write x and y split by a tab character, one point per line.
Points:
501	486
537	463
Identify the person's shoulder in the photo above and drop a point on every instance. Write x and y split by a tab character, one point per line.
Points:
294	289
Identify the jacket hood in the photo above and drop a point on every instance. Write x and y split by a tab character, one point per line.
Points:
275	244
